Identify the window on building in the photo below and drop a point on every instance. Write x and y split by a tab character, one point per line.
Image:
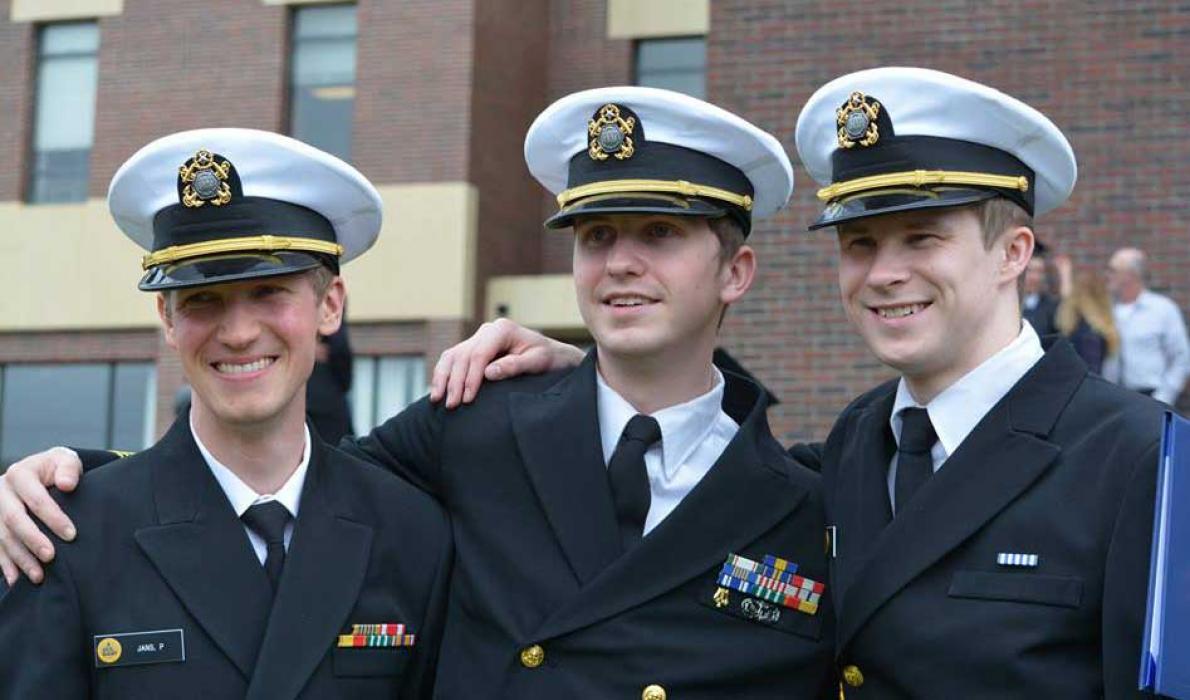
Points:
85	404
64	121
673	64
382	386
322	80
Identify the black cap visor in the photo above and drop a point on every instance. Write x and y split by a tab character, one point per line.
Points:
892	201
218	269
643	203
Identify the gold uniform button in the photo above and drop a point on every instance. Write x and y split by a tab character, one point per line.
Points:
853	676
532	656
653	692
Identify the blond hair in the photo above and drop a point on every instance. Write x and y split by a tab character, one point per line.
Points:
1089	301
997	215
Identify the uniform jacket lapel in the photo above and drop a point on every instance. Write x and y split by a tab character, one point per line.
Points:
201	550
970	489
324	570
557	432
746	493
861	510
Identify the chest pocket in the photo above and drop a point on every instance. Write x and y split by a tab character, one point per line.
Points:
762	613
1062	591
369	662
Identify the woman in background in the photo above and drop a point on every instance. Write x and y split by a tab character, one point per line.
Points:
1085	314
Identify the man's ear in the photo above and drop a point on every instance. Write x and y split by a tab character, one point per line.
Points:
737	275
1016	249
330	308
167	319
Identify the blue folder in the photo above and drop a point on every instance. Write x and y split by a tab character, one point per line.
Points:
1165	653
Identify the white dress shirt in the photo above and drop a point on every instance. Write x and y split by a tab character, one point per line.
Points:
693	436
243	497
1154	351
961	406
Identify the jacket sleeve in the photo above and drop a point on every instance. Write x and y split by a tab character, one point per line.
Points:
1126	579
41	632
406	444
808	454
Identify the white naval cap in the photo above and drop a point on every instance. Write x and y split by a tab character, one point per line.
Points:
638	149
217	205
891	139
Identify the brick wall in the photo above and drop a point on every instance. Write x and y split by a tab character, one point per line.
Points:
170	65
510	89
1112	75
17	45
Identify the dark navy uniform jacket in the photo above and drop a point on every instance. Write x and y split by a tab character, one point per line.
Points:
160	548
1062	467
543	602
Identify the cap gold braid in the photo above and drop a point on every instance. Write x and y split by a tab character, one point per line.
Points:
240	245
919	178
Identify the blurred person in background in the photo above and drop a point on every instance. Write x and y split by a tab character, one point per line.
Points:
1154	356
326	392
1084	314
1038	306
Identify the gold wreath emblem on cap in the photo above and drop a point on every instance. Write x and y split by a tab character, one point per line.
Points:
611	134
856	120
206	180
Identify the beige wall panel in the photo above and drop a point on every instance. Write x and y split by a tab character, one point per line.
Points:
543	302
67	266
642	19
423	265
295	2
57	10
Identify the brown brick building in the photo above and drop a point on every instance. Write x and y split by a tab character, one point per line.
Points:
438	96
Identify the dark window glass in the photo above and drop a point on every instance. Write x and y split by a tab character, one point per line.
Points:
90	405
322	86
67	70
673	64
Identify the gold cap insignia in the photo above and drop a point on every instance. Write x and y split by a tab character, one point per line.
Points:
205	180
857	121
611	134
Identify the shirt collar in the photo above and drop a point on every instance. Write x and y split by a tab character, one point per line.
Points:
241	495
958	409
683	426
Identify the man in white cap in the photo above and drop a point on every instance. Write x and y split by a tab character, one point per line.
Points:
240	556
993	506
630	528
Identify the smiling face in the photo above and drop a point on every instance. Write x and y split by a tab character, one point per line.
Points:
247	348
651	286
928	297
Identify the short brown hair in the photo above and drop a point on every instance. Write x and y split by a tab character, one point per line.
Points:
997	215
730	234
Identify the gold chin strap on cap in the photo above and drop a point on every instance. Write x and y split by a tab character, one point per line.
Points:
679	187
265	243
921	178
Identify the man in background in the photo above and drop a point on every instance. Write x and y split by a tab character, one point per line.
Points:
1154	356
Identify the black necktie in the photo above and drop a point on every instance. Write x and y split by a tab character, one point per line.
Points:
914	463
629	478
268	520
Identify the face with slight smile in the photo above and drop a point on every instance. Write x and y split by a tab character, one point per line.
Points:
923	290
649	284
247	348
